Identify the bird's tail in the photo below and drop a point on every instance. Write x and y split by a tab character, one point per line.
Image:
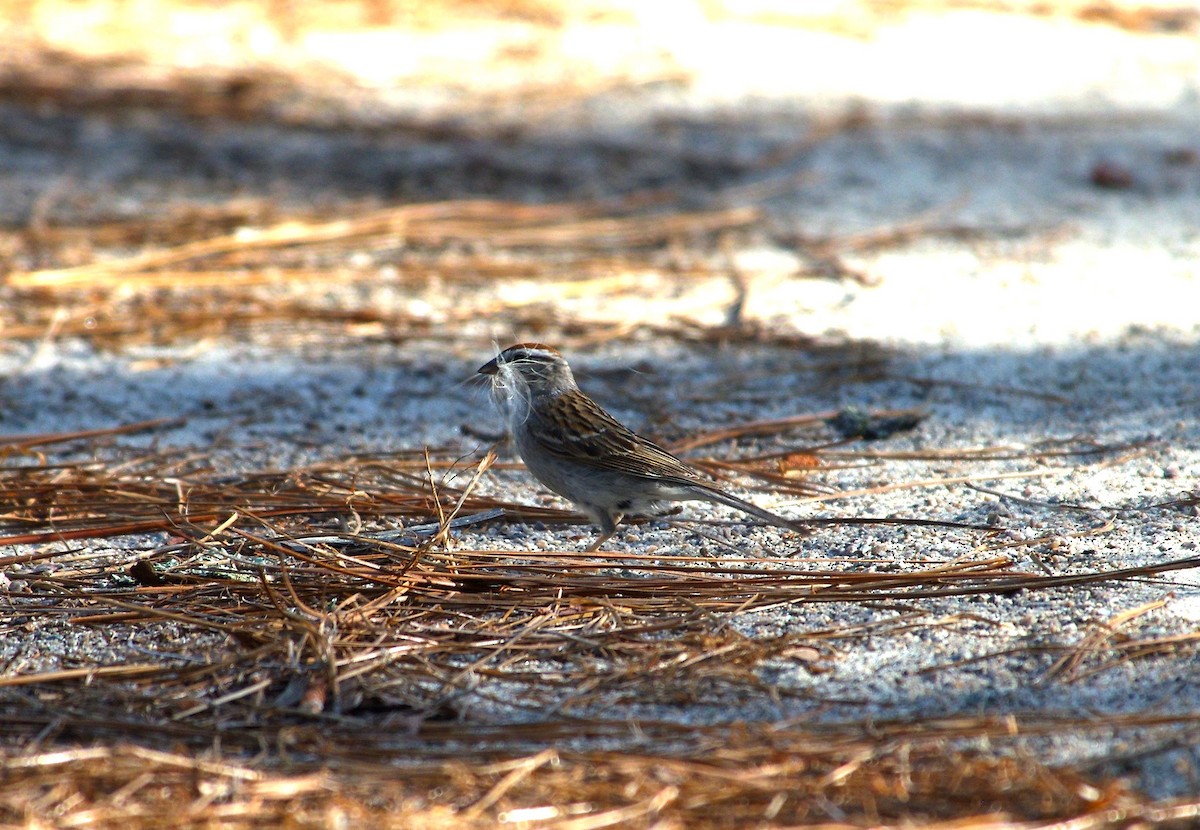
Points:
721	497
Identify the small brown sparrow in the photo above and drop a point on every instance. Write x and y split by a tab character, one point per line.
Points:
584	454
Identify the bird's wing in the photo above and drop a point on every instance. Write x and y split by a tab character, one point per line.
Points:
606	444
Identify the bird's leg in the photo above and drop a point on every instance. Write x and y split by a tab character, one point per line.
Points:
608	526
600	540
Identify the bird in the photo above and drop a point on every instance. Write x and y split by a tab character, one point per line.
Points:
575	448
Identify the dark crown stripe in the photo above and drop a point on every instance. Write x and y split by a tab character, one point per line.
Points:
529	351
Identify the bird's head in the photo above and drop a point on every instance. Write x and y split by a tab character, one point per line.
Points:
528	370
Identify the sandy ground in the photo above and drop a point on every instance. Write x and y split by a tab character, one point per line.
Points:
1034	304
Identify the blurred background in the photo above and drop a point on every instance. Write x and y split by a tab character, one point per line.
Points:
384	168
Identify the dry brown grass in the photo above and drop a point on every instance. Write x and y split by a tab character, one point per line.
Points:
191	277
737	777
303	675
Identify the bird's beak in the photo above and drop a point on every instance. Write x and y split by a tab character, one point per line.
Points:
490	368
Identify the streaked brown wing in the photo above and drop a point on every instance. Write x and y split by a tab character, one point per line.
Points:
607	445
